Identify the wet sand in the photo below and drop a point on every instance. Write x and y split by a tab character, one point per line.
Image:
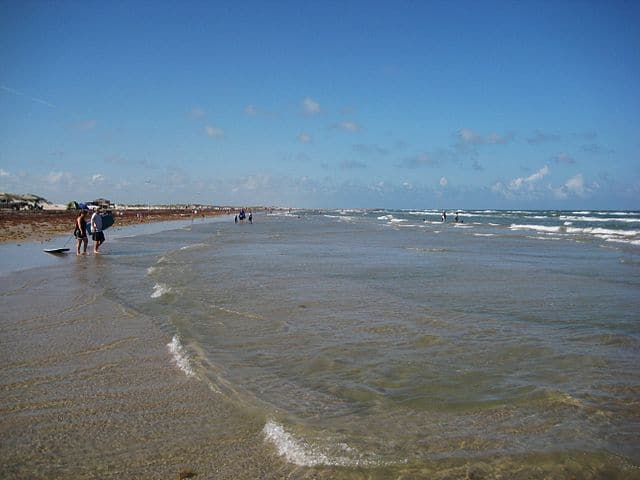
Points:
88	390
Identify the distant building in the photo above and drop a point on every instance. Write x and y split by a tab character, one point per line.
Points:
102	202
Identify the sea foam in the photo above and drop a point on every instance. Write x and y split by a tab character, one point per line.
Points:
298	451
180	356
540	228
160	289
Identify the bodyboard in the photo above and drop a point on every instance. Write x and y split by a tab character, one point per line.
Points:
107	221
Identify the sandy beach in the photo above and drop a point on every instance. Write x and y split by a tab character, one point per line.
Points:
88	388
88	391
42	225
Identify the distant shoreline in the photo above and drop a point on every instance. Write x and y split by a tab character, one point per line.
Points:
42	225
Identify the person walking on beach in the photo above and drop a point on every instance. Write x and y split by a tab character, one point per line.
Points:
80	231
96	229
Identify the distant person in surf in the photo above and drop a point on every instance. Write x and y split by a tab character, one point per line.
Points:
250	217
96	230
444	216
457	218
80	232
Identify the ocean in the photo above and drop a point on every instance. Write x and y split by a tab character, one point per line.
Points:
333	344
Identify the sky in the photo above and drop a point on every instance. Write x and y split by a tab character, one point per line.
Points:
323	104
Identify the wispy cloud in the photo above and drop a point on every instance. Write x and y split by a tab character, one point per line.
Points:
197	113
251	110
97	179
305	138
444	182
348	126
466	137
311	106
214	132
596	149
56	178
419	161
564	157
539	137
4	173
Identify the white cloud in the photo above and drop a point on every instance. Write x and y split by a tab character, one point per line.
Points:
467	135
214	132
305	138
251	110
468	138
349	127
310	106
97	178
55	178
444	182
3	173
576	184
527	182
521	185
574	187
197	113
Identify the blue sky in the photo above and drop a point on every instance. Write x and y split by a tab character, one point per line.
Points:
323	104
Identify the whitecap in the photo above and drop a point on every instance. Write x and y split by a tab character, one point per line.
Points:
540	228
604	231
180	356
160	289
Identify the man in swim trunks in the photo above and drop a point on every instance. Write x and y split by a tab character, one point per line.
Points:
96	230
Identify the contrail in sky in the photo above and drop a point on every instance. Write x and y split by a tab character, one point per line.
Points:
34	99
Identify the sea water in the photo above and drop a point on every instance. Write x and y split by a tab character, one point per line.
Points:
391	342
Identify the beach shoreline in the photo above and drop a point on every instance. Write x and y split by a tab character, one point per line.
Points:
43	225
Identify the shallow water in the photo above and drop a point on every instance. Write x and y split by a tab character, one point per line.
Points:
388	343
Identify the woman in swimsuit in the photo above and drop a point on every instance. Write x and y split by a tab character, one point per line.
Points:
80	231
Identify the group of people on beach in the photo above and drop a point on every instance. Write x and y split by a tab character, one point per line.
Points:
80	231
243	215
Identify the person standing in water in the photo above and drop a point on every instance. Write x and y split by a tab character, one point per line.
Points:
444	215
80	231
96	230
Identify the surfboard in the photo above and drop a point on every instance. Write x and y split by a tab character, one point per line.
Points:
107	221
56	250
